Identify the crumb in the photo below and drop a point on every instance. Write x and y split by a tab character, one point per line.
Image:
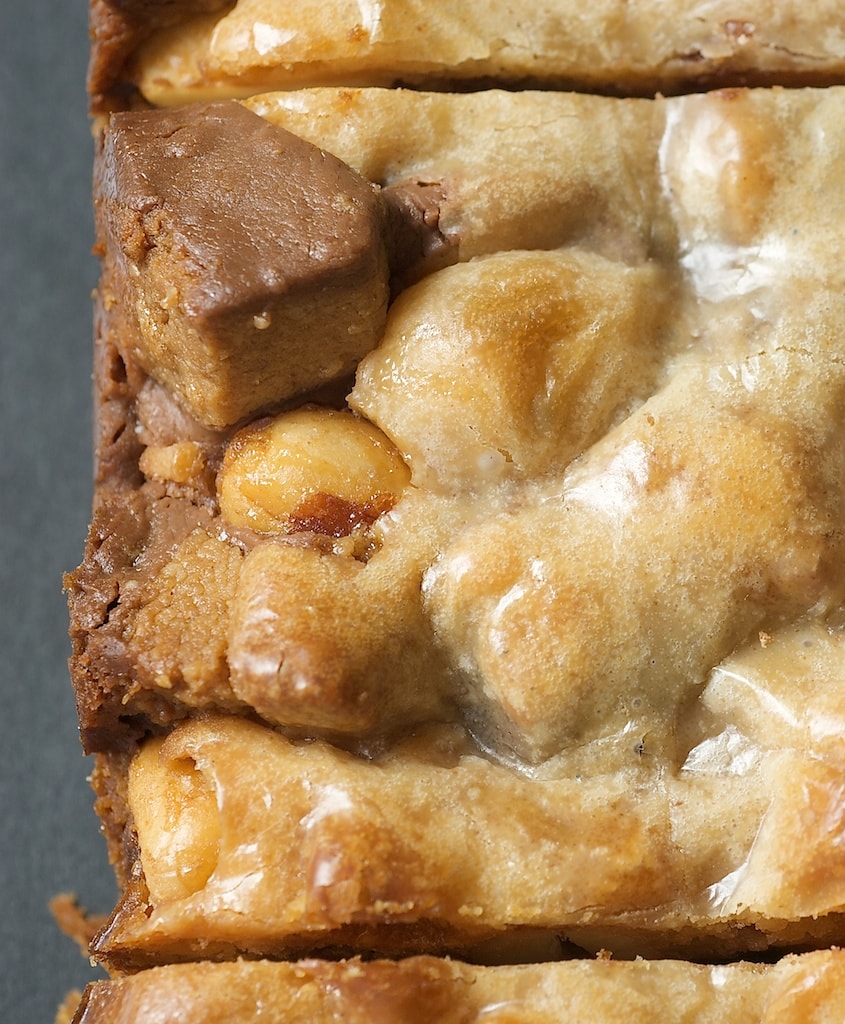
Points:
67	1011
74	921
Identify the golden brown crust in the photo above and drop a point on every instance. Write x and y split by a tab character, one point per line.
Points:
117	28
620	48
429	847
795	991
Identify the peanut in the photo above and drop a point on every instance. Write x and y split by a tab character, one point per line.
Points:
311	469
175	808
181	463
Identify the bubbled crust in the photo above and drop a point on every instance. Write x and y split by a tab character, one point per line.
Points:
342	852
534	394
755	539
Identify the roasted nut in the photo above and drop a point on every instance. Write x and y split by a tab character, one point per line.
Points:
175	807
311	469
181	463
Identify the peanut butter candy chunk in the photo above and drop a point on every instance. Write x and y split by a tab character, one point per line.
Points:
237	252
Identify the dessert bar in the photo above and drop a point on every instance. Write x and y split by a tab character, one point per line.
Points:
461	626
174	53
491	620
796	990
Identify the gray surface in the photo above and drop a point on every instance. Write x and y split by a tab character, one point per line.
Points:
49	840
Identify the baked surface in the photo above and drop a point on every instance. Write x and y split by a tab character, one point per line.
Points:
177	53
248	842
660	392
616	356
795	991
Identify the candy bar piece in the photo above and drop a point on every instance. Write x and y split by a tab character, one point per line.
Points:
199	51
247	265
795	990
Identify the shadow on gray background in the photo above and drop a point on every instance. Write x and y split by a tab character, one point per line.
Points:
49	839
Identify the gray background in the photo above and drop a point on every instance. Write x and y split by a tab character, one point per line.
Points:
49	840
